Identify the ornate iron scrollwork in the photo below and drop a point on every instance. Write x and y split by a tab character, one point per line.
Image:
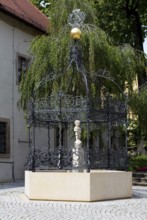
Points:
76	18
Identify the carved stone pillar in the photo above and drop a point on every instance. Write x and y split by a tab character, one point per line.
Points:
78	151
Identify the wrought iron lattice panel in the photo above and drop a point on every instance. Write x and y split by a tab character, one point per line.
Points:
67	108
100	158
61	110
45	159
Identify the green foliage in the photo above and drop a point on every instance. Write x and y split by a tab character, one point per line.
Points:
137	162
133	134
44	7
50	56
124	20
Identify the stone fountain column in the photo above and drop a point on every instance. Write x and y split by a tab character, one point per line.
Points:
78	151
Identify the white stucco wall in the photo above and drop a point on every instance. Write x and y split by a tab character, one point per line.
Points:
11	43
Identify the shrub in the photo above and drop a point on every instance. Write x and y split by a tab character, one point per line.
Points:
142	169
138	163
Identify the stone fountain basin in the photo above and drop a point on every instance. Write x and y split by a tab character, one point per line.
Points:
78	186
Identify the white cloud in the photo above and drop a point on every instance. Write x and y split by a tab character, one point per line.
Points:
43	4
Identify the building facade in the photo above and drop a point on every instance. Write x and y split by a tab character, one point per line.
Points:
20	22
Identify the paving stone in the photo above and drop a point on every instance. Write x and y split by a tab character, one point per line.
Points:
15	205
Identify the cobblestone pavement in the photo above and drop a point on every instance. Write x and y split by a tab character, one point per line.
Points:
15	205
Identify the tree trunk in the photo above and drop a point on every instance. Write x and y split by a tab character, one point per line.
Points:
138	40
139	45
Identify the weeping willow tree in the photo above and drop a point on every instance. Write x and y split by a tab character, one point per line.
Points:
50	55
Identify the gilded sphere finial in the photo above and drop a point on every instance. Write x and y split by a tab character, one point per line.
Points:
75	33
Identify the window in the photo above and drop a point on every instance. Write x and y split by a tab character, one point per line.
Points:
4	137
22	67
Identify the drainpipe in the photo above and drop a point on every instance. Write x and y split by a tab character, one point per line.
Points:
13	84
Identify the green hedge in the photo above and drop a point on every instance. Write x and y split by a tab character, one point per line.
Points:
137	162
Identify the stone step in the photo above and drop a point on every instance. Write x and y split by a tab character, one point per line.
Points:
140	183
140	178
140	174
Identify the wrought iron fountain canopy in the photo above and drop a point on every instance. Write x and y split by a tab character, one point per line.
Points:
103	120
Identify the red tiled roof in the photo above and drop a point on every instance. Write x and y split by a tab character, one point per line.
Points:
25	11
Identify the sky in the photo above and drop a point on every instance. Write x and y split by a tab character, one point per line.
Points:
145	46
